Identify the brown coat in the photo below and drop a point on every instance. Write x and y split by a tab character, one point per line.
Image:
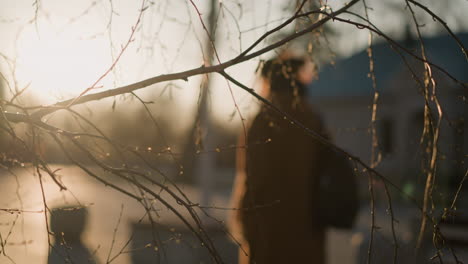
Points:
277	174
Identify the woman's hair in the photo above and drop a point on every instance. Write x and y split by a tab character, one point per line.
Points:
282	75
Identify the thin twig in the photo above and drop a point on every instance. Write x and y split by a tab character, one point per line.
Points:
115	233
444	24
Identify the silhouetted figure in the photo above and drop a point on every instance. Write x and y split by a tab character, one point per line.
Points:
67	224
277	179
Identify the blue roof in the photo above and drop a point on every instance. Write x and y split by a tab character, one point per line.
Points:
349	77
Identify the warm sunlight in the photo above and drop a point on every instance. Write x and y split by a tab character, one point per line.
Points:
59	65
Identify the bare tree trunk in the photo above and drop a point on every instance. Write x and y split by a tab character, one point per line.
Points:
199	168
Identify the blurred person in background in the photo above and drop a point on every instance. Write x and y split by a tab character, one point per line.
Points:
276	188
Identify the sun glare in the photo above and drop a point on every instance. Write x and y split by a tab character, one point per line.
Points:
59	65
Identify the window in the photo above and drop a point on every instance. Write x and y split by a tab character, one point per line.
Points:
385	135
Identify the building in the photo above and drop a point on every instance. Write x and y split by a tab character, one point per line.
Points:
344	94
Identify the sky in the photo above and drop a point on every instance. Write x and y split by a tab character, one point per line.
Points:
59	48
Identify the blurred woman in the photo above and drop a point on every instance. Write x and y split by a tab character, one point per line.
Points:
275	189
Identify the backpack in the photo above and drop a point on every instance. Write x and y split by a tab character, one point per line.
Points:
338	192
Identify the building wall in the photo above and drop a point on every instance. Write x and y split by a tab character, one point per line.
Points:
399	127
